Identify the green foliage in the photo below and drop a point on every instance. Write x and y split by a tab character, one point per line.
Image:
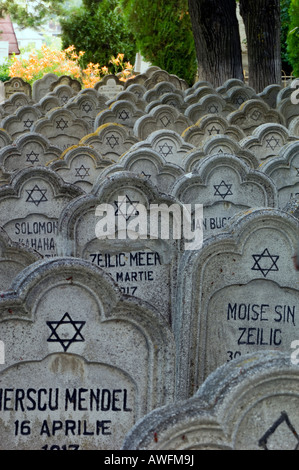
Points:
99	31
4	70
293	37
163	33
27	15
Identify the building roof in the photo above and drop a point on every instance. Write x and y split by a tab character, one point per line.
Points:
8	34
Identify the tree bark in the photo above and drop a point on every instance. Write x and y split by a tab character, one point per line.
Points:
217	40
262	25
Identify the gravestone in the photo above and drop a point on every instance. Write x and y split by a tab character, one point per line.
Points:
68	81
225	186
31	205
80	165
21	121
41	86
219	145
109	86
160	117
110	140
149	165
16	85
13	258
208	104
249	404
82	362
86	105
284	171
169	144
135	98
269	95
47	103
169	99
141	261
288	109
120	112
63	92
266	140
61	127
294	126
237	95
198	93
246	296
208	126
28	150
15	101
252	114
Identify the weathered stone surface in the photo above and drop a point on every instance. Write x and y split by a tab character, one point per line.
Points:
68	81
41	86
13	258
209	104
246	294
15	101
16	84
80	165
21	121
28	150
225	186
109	86
284	171
144	265
31	205
120	112
110	140
61	127
83	362
249	404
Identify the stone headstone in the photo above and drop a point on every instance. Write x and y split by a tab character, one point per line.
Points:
41	86
208	126
28	150
252	114
64	93
61	127
225	186
169	144
15	101
294	126
143	266
246	294
82	362
110	140
161	117
208	104
16	85
68	81
80	165
135	98
284	171
288	109
249	404
120	112
269	95
86	105
31	205
21	121
109	86
266	140
219	145
147	164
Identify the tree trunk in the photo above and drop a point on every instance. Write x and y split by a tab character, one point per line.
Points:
262	25
217	40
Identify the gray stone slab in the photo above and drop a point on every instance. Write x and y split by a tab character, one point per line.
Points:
41	86
249	404
21	121
16	85
209	104
225	186
246	296
31	205
82	362
122	112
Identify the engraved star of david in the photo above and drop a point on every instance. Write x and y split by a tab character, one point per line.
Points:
265	262
64	99
223	189
282	419
272	143
145	176
240	100
28	123
213	130
62	124
167	151
165	121
86	107
112	141
32	157
65	331
255	115
82	172
126	208
36	195
123	115
213	109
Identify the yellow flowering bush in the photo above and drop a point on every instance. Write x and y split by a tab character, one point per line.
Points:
64	62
